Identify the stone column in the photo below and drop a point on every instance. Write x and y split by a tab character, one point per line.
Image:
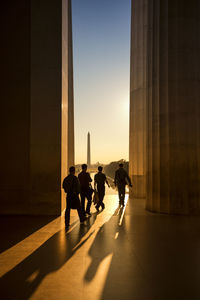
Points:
173	107
68	82
67	93
138	91
37	116
165	105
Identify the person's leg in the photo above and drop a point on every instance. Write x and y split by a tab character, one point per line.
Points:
99	203
101	196
83	202
89	203
80	213
67	217
119	193
102	204
123	194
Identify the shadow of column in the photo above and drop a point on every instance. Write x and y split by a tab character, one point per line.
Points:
51	256
14	229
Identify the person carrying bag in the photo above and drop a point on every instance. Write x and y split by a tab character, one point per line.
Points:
71	187
95	197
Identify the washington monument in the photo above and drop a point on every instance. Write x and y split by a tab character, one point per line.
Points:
88	150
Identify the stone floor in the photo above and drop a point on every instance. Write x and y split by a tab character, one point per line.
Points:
118	254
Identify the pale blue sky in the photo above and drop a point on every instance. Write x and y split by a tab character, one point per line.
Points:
101	44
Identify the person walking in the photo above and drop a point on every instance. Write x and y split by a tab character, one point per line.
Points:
99	182
71	187
121	179
85	180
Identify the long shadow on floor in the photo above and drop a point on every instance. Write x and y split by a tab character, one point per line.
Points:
23	280
153	256
104	243
14	229
125	278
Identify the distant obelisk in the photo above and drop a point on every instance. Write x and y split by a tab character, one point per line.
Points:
88	150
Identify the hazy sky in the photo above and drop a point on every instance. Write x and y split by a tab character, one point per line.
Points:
101	45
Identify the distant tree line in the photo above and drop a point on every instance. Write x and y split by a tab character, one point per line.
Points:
113	166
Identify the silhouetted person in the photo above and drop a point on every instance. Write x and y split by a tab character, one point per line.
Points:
121	179
99	181
85	179
71	186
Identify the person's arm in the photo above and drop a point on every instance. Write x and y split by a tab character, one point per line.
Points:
89	178
64	185
129	180
95	183
106	180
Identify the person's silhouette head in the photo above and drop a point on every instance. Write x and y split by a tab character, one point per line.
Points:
72	170
84	167
100	169
121	165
